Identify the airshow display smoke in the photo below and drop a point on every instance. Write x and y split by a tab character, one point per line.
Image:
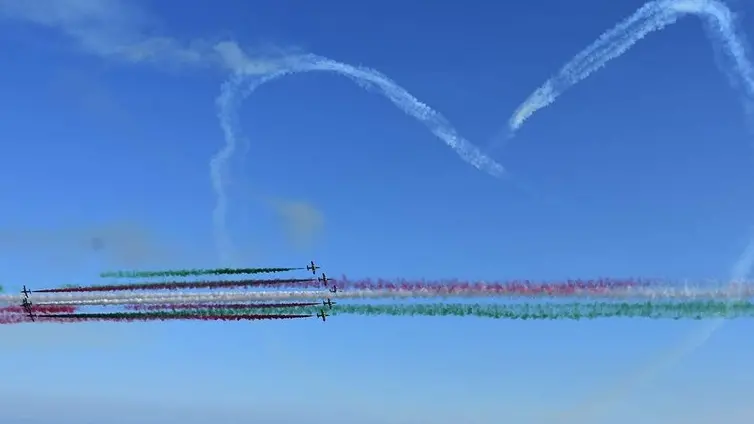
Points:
653	16
192	272
437	292
240	86
526	311
41	309
161	316
727	39
516	286
248	306
187	285
176	300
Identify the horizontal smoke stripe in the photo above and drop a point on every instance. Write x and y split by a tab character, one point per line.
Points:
42	309
216	297
184	285
162	316
192	272
247	306
568	311
515	286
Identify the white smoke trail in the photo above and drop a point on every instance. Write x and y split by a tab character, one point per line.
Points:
229	296
645	294
232	95
651	17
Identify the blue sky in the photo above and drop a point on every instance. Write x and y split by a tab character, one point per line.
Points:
644	169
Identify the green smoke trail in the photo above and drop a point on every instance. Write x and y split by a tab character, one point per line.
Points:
192	272
562	311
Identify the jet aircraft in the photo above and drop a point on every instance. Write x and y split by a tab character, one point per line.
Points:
26	305
312	267
322	314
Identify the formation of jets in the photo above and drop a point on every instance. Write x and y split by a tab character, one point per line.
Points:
26	303
322	314
327	304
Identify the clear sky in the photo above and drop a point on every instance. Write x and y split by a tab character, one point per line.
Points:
109	122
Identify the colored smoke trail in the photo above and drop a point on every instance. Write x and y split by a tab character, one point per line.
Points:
249	306
527	311
161	316
14	318
41	309
514	287
517	287
192	272
232	95
186	285
438	292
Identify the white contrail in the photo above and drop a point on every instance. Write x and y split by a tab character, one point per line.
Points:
240	86
634	294
651	17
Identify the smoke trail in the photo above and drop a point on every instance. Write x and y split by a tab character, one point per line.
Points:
187	285
653	16
159	316
514	286
247	306
422	293
40	309
232	95
192	272
569	311
517	287
14	318
527	311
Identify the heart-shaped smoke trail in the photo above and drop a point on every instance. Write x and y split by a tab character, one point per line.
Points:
240	86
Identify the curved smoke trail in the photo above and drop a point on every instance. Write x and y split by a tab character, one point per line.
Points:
232	94
655	16
651	17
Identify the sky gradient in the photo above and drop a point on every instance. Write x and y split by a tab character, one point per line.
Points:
110	121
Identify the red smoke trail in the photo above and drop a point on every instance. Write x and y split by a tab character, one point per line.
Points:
184	306
188	285
519	287
17	314
513	287
41	309
68	318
